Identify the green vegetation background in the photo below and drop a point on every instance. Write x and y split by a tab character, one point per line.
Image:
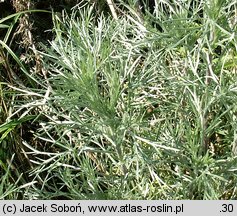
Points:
130	100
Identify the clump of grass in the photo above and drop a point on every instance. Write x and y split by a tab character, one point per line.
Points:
11	132
8	185
132	112
9	180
